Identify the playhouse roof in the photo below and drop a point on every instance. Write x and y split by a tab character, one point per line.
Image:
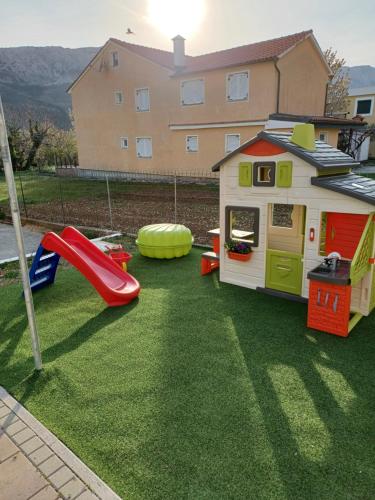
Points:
325	157
352	185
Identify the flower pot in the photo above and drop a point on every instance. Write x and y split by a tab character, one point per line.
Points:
243	257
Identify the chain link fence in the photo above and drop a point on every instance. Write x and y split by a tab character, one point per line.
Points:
117	201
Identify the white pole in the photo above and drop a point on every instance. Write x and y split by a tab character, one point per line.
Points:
8	169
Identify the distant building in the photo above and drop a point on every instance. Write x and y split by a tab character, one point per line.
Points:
147	110
361	103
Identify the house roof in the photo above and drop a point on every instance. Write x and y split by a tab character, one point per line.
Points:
326	121
325	157
352	185
245	54
362	91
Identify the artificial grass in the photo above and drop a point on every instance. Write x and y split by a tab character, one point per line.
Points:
199	390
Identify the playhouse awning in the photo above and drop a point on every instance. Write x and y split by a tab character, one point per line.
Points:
352	185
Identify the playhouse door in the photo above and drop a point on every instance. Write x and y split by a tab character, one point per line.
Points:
285	242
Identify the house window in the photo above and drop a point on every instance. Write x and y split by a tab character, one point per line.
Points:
119	97
264	173
144	147
238	86
191	143
114	59
364	107
192	92
124	143
242	224
142	99
323	136
232	142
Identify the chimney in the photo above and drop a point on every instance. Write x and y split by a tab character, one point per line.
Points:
179	51
304	136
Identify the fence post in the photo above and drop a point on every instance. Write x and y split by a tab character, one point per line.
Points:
175	198
109	203
23	195
61	201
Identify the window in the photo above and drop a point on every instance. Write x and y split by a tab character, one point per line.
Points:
238	86
124	144
142	99
192	92
282	215
119	97
264	173
114	59
191	143
144	147
364	106
232	142
323	136
242	224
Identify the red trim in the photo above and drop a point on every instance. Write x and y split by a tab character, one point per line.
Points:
263	148
239	256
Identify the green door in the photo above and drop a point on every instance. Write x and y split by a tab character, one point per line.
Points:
284	271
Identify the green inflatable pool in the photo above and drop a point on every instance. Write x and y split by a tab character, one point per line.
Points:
164	241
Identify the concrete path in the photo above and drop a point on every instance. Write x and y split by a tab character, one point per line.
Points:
8	244
35	465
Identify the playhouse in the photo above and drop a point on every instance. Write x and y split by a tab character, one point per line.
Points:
309	221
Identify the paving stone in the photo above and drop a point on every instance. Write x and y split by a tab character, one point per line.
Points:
40	455
31	445
7	448
8	420
72	489
19	479
51	465
15	427
23	436
47	493
87	495
4	410
60	477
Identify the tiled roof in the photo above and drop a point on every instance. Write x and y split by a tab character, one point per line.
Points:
245	54
319	120
325	157
352	185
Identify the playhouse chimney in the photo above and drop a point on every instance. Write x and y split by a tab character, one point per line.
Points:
304	136
179	51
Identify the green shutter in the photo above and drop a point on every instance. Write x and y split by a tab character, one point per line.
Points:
245	170
284	174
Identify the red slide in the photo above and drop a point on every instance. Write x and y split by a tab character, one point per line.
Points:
115	285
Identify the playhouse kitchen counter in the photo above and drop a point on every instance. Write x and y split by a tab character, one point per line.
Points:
338	276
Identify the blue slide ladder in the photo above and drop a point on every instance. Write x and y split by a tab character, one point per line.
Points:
43	269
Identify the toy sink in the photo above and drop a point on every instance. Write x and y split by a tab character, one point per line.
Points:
164	241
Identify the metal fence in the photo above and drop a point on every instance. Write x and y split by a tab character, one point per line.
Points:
121	201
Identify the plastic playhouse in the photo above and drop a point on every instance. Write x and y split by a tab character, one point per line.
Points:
106	274
309	221
164	241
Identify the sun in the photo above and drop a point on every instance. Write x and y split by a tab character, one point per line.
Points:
173	17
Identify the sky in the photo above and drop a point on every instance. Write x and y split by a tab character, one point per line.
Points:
208	25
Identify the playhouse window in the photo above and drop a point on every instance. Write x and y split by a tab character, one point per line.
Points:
242	224
282	215
264	173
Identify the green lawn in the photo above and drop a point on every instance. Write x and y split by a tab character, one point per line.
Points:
200	390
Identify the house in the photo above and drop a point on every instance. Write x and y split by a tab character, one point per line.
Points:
140	109
361	103
295	200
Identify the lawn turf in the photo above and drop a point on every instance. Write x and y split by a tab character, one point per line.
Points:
199	390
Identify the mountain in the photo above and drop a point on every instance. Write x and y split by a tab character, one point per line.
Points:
35	79
361	76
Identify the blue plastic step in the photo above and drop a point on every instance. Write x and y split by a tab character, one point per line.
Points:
43	269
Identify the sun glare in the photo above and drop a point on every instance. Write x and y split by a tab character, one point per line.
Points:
176	17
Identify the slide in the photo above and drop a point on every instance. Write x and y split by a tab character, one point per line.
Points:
115	285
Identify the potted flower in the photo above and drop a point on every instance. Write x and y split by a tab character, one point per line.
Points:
238	250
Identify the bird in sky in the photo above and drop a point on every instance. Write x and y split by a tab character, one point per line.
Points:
129	32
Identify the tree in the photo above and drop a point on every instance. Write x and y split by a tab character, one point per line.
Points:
338	87
351	140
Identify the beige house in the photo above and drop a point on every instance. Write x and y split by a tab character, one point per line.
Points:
139	109
361	102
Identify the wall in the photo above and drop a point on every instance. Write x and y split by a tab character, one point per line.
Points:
303	81
252	274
